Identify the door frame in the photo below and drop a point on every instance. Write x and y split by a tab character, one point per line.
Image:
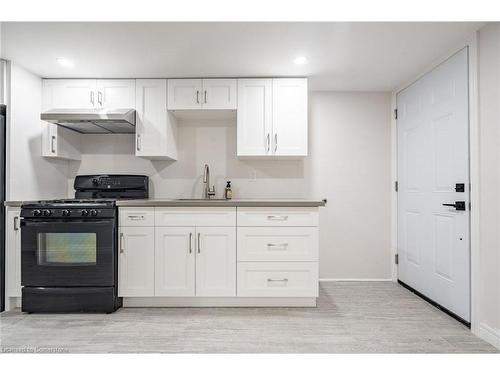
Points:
472	44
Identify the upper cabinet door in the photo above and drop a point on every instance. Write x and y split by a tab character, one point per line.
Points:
184	94
69	93
115	93
289	117
254	117
219	94
155	128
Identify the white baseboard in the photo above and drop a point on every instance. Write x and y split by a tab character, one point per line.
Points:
490	335
326	280
219	302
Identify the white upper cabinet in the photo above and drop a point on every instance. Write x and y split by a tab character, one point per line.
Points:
155	128
189	94
290	117
254	117
115	93
69	93
272	117
219	94
184	94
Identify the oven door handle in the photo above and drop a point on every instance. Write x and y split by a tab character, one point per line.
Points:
35	222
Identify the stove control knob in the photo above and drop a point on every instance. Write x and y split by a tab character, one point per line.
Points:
85	213
47	212
93	212
66	212
37	213
95	181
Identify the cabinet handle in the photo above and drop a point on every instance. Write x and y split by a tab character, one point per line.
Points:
99	97
205	96
52	144
268	141
278	217
285	280
16	222
275	142
197	97
190	243
138	142
122	248
282	246
199	247
136	217
92	97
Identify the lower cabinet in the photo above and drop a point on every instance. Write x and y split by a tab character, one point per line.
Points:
136	262
215	261
175	261
272	253
13	253
195	261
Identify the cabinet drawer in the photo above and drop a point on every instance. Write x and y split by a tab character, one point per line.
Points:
196	216
277	244
136	217
278	217
278	279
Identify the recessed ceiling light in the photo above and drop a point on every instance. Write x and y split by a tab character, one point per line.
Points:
64	62
301	60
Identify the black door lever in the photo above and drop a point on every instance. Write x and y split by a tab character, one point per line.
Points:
459	205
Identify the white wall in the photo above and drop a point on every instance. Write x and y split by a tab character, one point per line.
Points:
349	165
29	176
489	158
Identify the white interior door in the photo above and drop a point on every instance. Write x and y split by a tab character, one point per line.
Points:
433	157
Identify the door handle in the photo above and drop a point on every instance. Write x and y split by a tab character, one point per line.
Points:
459	205
92	97
190	243
205	96
138	142
268	141
275	142
99	97
52	144
197	97
199	247
122	249
16	222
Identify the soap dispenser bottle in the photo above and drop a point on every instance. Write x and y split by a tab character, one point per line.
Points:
228	193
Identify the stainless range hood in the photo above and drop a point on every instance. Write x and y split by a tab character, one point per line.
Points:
93	121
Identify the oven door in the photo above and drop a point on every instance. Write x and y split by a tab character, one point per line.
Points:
57	253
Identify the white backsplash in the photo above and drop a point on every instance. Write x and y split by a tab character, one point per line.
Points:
197	145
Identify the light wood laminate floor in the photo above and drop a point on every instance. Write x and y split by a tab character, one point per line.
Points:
351	317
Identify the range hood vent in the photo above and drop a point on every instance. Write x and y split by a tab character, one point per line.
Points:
92	121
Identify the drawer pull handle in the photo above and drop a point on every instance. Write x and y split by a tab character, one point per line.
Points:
136	217
280	246
190	243
285	280
277	217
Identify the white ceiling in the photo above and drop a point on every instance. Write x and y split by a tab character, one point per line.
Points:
342	56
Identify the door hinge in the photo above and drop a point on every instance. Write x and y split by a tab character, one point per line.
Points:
396	186
396	114
396	259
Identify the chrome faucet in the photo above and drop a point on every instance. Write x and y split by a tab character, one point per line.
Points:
209	191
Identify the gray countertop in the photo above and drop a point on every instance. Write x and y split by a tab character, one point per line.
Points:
207	203
220	203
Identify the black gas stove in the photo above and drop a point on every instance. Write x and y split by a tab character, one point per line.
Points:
69	251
